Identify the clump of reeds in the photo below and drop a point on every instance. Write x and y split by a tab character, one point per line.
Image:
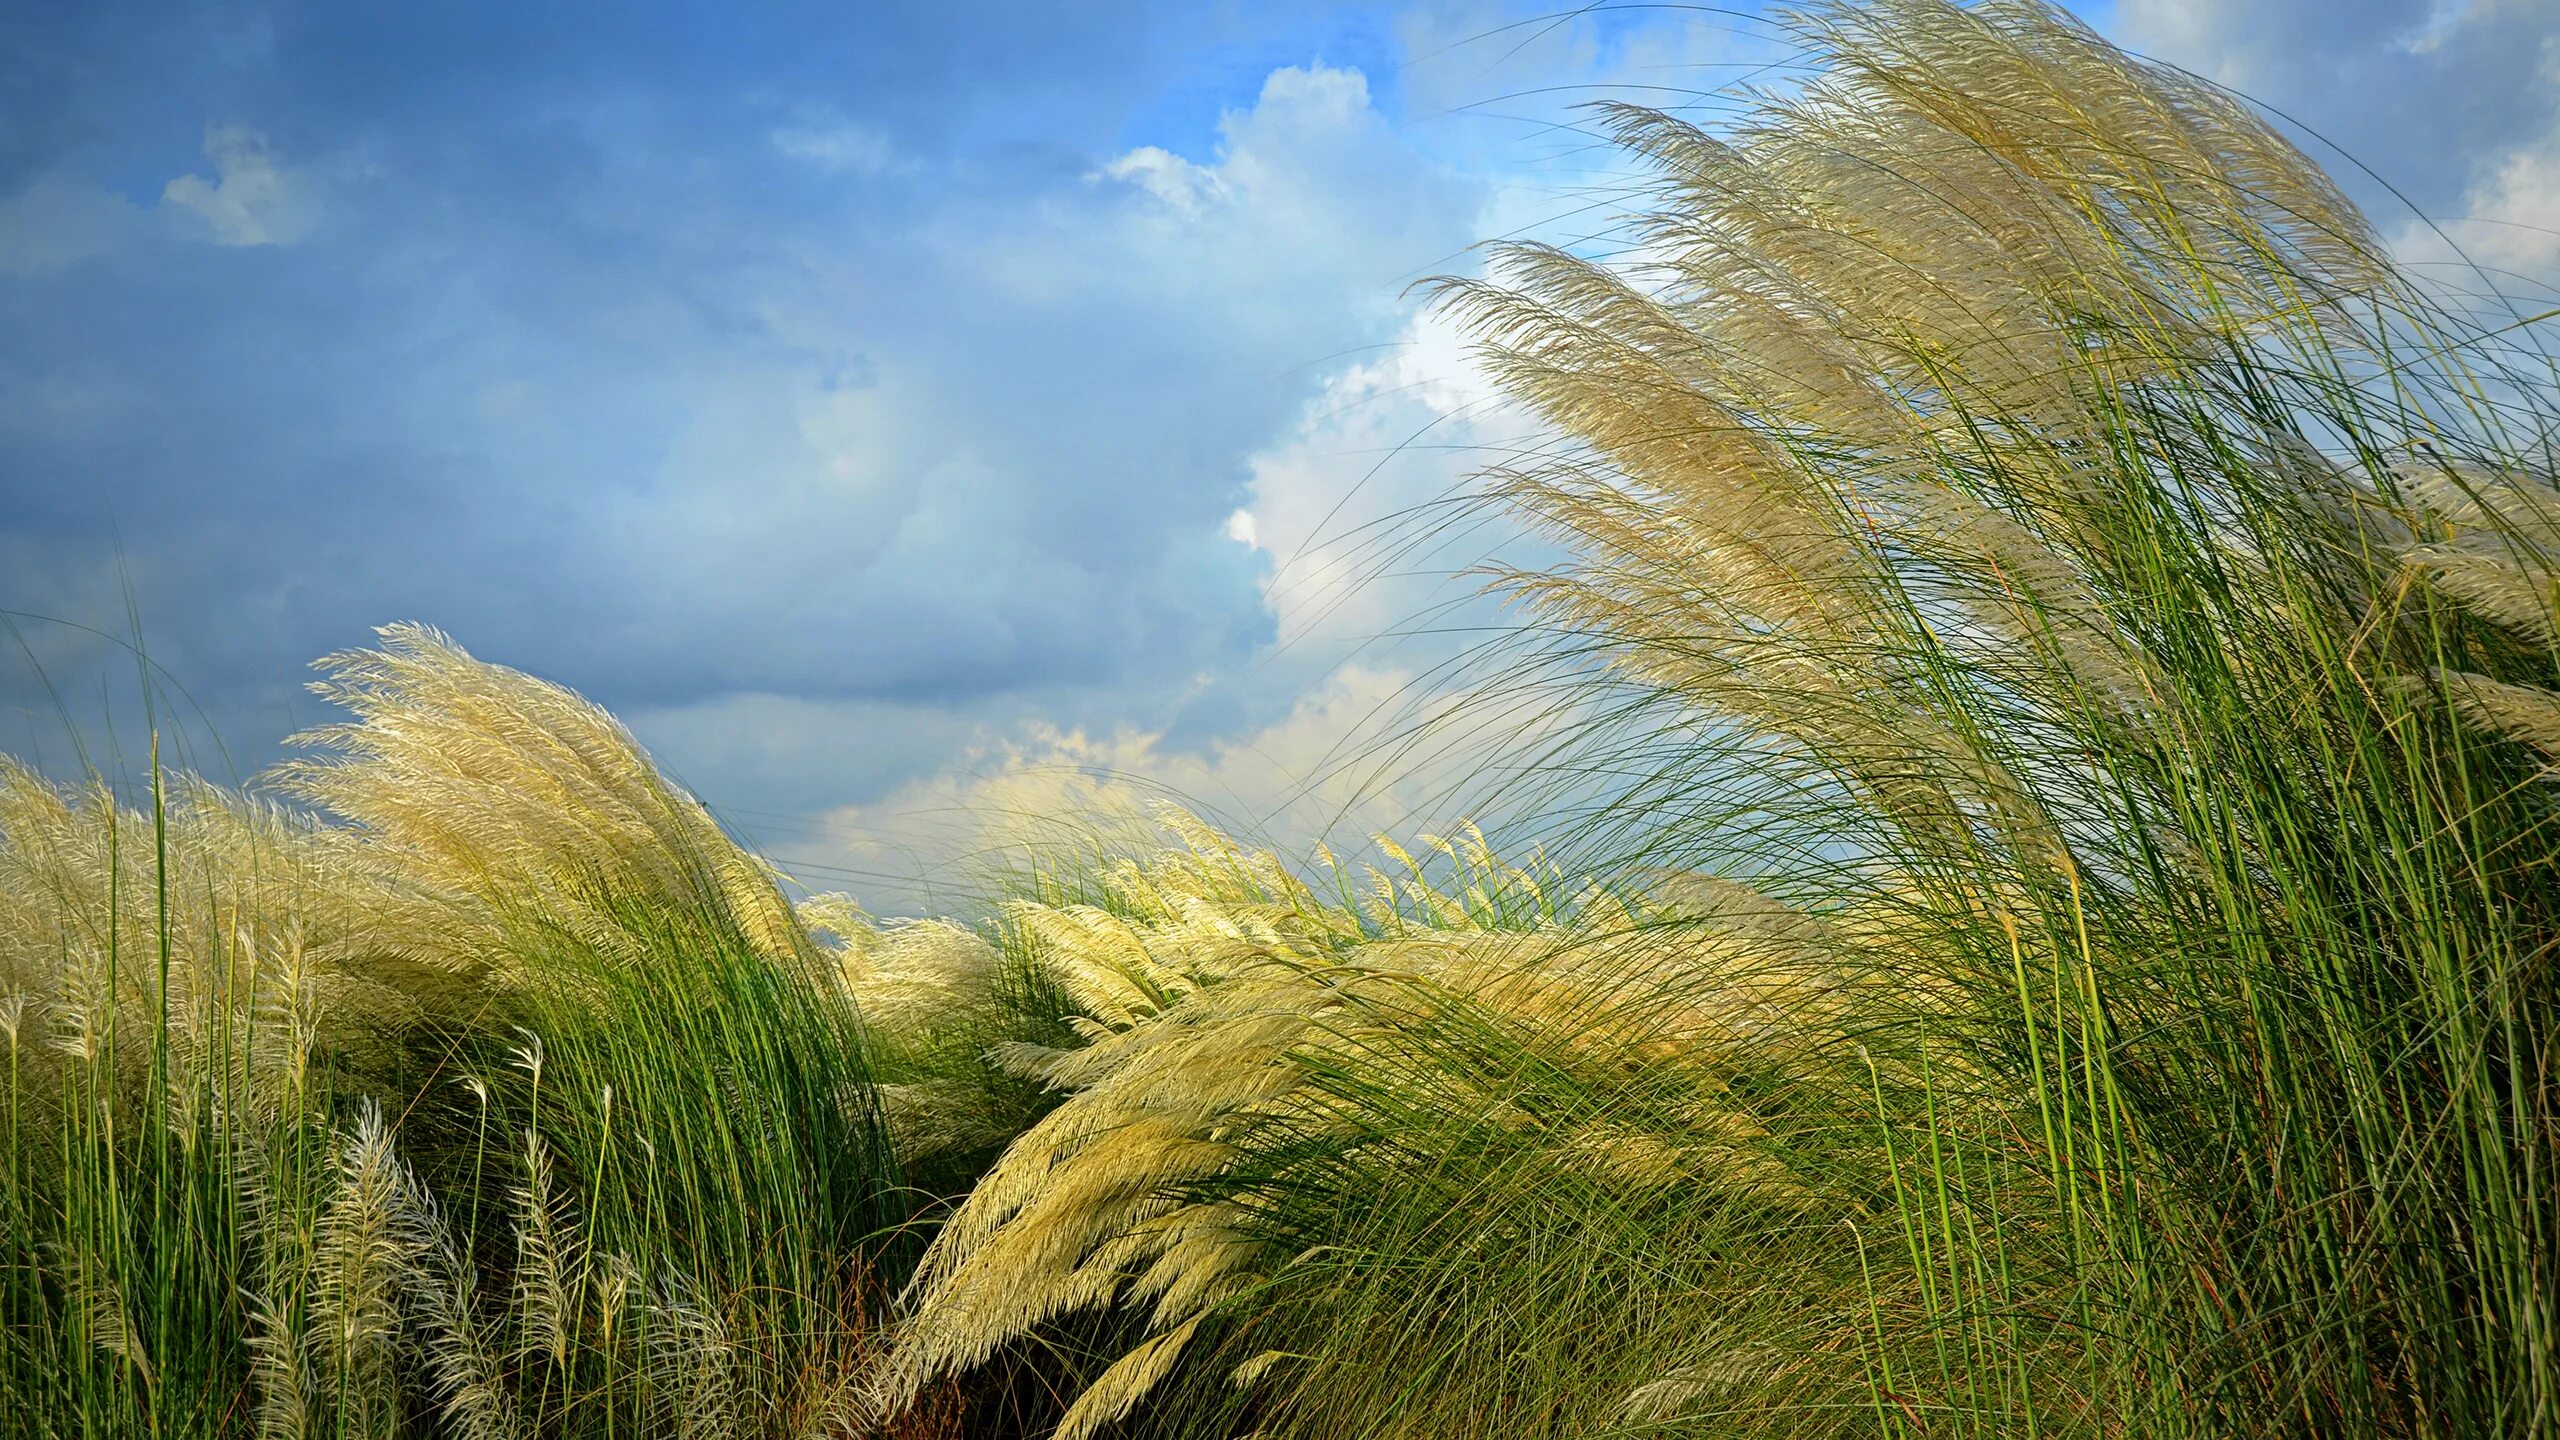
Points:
1456	1058
2073	956
636	1181
2033	459
2116	612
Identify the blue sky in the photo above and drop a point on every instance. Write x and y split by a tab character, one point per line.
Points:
869	400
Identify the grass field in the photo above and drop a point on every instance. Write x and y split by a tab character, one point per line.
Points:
2074	631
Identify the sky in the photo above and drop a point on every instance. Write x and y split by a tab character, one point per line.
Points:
900	411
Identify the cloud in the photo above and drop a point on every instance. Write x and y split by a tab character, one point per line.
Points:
1308	187
1352	503
2420	93
725	445
1366	751
1010	393
2510	223
1168	177
1022	480
2514	220
252	199
2246	47
822	138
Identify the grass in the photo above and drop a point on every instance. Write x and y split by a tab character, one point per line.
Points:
2072	952
457	1107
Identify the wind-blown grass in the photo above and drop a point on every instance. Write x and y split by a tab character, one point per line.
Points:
2072	956
514	1101
2112	609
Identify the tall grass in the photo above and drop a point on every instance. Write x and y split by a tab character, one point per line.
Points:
514	1100
2072	953
2027	529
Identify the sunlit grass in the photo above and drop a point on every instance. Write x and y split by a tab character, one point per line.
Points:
2071	953
516	1096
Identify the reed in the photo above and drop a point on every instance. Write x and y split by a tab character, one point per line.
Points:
2026	530
497	1093
2069	952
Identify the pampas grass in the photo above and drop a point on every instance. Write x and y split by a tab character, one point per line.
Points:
477	1101
2080	634
2115	609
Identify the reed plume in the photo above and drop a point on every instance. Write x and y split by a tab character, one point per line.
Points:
1255	1051
2089	554
520	803
216	998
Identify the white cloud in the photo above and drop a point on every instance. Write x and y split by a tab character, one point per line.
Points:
1011	455
830	142
2514	219
1310	193
2202	35
2249	46
251	199
1295	237
1365	752
1005	460
2514	224
2444	17
2509	221
1350	504
1355	504
2433	97
1168	177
